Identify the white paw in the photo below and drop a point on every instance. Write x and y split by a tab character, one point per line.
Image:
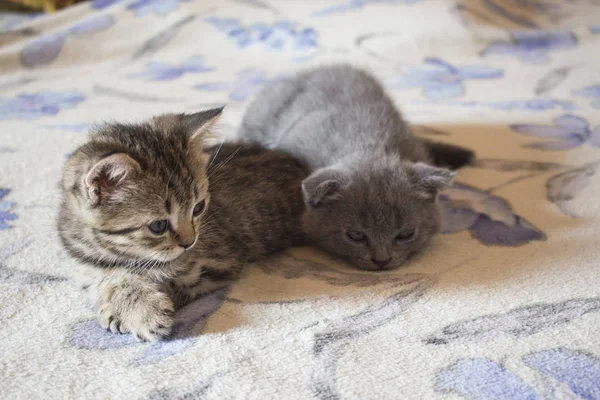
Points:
147	315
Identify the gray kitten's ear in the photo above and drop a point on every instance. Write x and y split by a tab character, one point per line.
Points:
106	177
428	180
323	187
198	124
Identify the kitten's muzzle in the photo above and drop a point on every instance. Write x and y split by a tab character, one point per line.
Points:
381	262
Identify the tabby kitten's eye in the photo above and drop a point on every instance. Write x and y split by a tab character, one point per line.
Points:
199	208
404	236
356	236
159	226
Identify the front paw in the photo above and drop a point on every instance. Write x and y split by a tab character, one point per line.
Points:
148	316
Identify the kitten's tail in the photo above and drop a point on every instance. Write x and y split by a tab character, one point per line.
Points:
448	155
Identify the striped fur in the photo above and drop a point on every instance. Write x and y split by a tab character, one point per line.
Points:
127	176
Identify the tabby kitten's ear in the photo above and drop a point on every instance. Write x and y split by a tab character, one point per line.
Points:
198	124
323	187
108	175
429	180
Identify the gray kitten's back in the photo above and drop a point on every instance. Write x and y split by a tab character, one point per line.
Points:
327	114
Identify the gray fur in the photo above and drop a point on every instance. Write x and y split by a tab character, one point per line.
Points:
370	174
128	176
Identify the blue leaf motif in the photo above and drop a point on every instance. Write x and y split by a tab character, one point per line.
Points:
351	5
532	47
46	48
43	50
480	378
157	7
29	106
579	371
489	218
165	72
570	131
247	82
564	187
440	79
5	210
590	91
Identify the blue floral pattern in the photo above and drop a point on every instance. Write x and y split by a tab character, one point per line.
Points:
142	7
567	132
247	82
28	106
440	79
156	71
514	80
46	48
480	378
5	210
532	47
351	5
279	36
590	91
488	218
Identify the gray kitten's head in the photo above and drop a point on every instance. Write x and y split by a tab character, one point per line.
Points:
377	217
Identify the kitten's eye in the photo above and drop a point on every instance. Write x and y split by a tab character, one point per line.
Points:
199	208
159	226
356	236
407	235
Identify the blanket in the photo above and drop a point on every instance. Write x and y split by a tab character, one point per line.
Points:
505	304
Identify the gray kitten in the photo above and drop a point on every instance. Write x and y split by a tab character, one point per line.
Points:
154	220
372	196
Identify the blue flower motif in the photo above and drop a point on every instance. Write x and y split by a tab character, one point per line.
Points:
89	335
480	378
5	208
35	105
568	131
440	79
489	218
165	72
279	36
532	47
247	82
590	91
579	371
351	5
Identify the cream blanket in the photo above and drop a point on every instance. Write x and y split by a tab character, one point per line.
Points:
505	305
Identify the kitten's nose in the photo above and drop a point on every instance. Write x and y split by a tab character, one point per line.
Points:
186	236
381	263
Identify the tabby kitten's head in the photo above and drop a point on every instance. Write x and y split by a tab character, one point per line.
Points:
374	217
135	194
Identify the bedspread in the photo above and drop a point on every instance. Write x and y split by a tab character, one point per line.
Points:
505	304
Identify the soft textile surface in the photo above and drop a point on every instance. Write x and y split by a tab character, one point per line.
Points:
506	304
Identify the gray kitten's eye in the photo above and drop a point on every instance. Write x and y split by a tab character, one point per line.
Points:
407	235
198	208
356	236
159	226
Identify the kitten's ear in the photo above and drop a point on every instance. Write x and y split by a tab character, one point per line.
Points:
429	180
323	187
198	124
105	178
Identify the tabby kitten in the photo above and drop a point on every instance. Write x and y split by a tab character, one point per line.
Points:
155	220
371	197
